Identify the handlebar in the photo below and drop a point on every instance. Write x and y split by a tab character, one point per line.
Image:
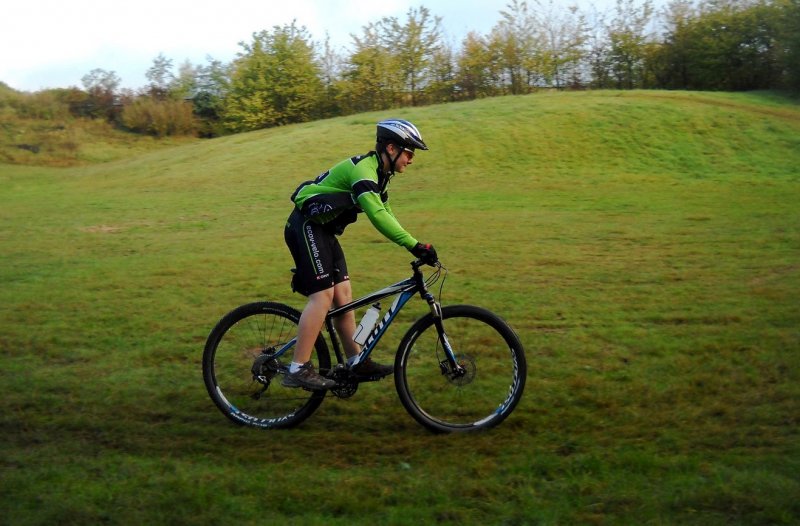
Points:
417	264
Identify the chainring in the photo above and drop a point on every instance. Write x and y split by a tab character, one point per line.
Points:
346	384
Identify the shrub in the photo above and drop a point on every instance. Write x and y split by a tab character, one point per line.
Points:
160	117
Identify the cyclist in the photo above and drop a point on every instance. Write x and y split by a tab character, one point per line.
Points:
323	208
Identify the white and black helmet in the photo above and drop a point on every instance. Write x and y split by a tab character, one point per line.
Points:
400	132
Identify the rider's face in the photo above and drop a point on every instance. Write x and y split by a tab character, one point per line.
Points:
405	159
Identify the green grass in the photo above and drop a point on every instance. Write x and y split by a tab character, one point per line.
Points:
67	141
644	245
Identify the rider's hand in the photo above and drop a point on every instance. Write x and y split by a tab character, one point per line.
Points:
425	252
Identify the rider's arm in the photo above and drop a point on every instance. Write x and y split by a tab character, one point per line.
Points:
382	218
388	208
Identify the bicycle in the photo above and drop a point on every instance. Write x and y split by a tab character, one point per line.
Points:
467	378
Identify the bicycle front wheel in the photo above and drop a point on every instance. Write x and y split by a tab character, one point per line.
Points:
493	371
242	374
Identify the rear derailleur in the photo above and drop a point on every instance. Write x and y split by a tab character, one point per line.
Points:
264	369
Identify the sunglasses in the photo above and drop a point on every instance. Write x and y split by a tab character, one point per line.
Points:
409	152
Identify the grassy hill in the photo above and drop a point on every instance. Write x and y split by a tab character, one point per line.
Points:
37	129
644	245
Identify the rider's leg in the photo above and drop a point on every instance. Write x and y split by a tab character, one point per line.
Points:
346	327
346	323
311	322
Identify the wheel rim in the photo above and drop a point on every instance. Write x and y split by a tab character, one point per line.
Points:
247	379
486	392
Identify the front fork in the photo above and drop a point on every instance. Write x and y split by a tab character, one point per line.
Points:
449	366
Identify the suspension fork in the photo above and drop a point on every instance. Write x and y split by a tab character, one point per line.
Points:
449	365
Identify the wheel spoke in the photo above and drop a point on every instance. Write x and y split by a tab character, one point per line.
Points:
493	371
242	377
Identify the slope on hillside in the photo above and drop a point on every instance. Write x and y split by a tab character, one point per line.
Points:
38	129
644	246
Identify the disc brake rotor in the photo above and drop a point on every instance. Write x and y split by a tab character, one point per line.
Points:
466	375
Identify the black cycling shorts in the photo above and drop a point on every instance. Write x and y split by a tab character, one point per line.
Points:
317	255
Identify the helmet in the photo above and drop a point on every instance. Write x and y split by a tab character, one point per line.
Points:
400	132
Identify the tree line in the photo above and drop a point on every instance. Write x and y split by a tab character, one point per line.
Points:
283	76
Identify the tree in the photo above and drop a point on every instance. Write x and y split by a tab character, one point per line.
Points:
513	41
330	74
371	79
184	85
414	47
789	39
560	35
745	51
441	87
628	36
101	81
160	76
671	61
723	45
211	88
396	63
274	81
597	54
102	87
475	77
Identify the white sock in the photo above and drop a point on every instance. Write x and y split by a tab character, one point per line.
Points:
294	367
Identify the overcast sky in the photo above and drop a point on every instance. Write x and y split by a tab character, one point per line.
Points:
54	43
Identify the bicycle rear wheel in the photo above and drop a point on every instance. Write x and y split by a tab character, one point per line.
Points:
491	355
243	377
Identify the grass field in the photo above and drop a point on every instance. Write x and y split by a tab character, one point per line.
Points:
644	245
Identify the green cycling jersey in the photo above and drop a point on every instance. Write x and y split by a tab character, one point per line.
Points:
352	186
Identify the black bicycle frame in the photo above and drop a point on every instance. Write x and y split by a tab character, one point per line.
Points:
404	290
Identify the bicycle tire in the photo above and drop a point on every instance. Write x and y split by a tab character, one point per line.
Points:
490	351
241	337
